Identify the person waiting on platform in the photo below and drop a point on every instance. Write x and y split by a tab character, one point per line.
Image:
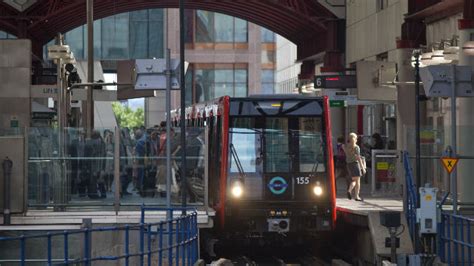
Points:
340	159
355	166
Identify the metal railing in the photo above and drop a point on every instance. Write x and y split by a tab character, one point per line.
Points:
173	241
411	196
456	246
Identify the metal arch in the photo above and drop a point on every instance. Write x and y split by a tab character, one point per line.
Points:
52	16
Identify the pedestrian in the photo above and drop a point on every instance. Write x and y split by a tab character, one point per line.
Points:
109	162
355	166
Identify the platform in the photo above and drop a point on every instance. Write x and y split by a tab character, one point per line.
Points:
50	220
365	216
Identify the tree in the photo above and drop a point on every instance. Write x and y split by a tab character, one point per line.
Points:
126	117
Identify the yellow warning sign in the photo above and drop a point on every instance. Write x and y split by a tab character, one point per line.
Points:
382	165
449	163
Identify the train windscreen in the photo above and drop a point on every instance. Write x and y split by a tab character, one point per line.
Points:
288	149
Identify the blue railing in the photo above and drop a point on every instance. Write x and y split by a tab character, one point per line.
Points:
456	246
171	242
411	196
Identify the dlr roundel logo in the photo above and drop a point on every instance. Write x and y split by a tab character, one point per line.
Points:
277	185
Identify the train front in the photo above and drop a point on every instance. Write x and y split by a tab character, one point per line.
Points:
278	178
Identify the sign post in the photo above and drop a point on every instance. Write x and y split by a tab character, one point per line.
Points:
161	74
449	81
449	161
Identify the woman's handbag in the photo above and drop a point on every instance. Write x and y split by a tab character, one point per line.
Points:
363	165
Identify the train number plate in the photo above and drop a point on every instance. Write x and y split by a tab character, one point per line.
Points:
278	225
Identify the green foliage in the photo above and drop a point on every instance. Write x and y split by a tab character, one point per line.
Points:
126	117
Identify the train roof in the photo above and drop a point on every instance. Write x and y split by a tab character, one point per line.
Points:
204	109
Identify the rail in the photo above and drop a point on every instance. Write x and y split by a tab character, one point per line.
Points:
173	241
456	246
411	196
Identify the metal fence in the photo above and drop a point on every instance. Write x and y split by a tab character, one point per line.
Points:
455	232
170	242
455	237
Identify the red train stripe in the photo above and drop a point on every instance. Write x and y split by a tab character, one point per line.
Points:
332	181
224	157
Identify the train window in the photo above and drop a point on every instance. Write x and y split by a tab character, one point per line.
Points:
277	153
311	155
245	145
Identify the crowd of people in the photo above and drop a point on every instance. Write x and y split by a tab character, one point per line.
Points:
142	162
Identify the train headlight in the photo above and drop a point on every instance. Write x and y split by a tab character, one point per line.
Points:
237	189
317	189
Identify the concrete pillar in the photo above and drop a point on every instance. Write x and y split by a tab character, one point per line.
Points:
465	107
405	105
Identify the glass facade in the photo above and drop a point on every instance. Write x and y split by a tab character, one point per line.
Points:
137	34
268	81
267	35
205	82
213	27
4	35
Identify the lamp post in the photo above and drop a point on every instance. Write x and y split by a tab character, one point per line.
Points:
183	106
417	54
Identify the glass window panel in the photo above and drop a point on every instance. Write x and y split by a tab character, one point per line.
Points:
245	143
240	30
204	26
138	34
223	28
268	76
240	90
139	15
97	39
268	56
223	89
224	75
241	75
311	155
267	35
268	88
115	37
276	145
155	39
156	14
75	40
189	25
189	86
207	81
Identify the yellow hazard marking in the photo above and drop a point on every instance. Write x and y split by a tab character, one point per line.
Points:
449	163
428	197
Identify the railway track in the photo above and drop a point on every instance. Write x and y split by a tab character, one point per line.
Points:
273	261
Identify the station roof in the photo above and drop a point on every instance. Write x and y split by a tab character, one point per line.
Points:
303	22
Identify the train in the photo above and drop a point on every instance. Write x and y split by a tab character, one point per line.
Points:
270	165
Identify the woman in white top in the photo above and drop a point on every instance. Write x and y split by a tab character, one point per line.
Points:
354	166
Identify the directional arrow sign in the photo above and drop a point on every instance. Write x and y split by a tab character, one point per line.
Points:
449	163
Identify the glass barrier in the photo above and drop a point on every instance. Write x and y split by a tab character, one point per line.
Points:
434	142
70	170
144	171
13	131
